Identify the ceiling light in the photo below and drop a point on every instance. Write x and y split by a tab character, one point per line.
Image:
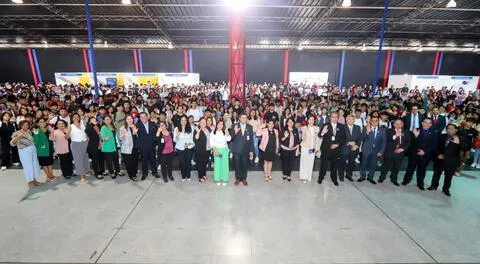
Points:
45	44
300	47
364	48
74	40
347	3
170	46
237	5
17	1
420	48
451	4
476	48
126	2
105	44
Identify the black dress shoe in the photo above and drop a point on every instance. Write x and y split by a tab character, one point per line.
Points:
371	181
144	177
360	180
68	177
171	178
165	179
404	183
105	174
99	176
349	178
156	175
319	182
381	180
335	183
431	188
447	193
341	179
396	183
421	188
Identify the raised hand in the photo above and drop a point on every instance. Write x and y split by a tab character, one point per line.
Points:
456	140
286	133
236	129
325	130
416	132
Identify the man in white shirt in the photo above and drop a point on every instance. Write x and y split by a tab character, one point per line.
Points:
195	111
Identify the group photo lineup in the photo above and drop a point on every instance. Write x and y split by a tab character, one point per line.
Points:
239	131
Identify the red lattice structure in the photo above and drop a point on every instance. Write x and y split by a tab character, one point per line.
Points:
237	58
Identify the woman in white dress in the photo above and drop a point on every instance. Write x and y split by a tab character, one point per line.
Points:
310	146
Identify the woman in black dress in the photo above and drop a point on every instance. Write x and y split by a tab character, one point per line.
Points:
201	137
290	144
269	147
7	128
94	148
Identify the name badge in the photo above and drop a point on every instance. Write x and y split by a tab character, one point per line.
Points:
248	137
333	138
162	140
394	137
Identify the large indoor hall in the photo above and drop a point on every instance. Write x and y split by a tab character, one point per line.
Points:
243	132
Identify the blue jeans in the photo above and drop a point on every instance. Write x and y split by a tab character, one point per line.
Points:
256	151
29	160
476	156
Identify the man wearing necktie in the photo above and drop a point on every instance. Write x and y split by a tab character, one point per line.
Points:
146	144
420	153
414	119
242	147
374	142
439	121
398	142
333	135
350	148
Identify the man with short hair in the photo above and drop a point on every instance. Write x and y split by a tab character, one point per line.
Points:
242	147
146	145
374	142
350	149
333	140
398	142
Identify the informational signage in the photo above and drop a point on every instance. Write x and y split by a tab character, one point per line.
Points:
308	78
455	83
127	78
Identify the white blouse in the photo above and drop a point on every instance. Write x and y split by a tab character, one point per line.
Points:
78	134
219	140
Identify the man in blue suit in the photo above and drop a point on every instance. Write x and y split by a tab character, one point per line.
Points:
242	147
439	122
374	142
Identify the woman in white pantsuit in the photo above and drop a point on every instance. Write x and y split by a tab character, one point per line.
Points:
310	146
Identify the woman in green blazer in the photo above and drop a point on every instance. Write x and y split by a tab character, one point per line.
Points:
109	147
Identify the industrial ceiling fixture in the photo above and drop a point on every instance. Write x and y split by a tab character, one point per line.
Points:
105	44
476	48
451	4
126	2
237	5
17	1
364	48
300	47
170	46
420	48
347	3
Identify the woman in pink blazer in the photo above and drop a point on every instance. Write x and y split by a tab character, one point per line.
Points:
269	147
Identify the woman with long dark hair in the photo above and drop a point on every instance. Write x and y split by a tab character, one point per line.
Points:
184	145
202	148
78	146
94	148
109	146
219	142
269	147
290	144
7	128
129	148
165	151
44	147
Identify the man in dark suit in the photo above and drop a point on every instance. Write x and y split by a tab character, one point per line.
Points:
374	142
414	119
398	142
350	149
333	135
323	118
448	158
242	147
420	153
439	121
146	145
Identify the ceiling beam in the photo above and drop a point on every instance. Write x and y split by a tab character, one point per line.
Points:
321	18
145	9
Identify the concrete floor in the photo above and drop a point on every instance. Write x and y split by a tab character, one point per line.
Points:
278	222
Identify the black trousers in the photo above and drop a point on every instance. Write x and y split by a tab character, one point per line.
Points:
392	163
332	158
166	160
131	163
288	157
439	167
98	161
185	157
111	158
419	163
66	164
241	166
148	157
347	164
202	160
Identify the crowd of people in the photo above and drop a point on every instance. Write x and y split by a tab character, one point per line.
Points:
202	126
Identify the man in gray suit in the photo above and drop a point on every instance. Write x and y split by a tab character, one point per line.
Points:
350	149
242	147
